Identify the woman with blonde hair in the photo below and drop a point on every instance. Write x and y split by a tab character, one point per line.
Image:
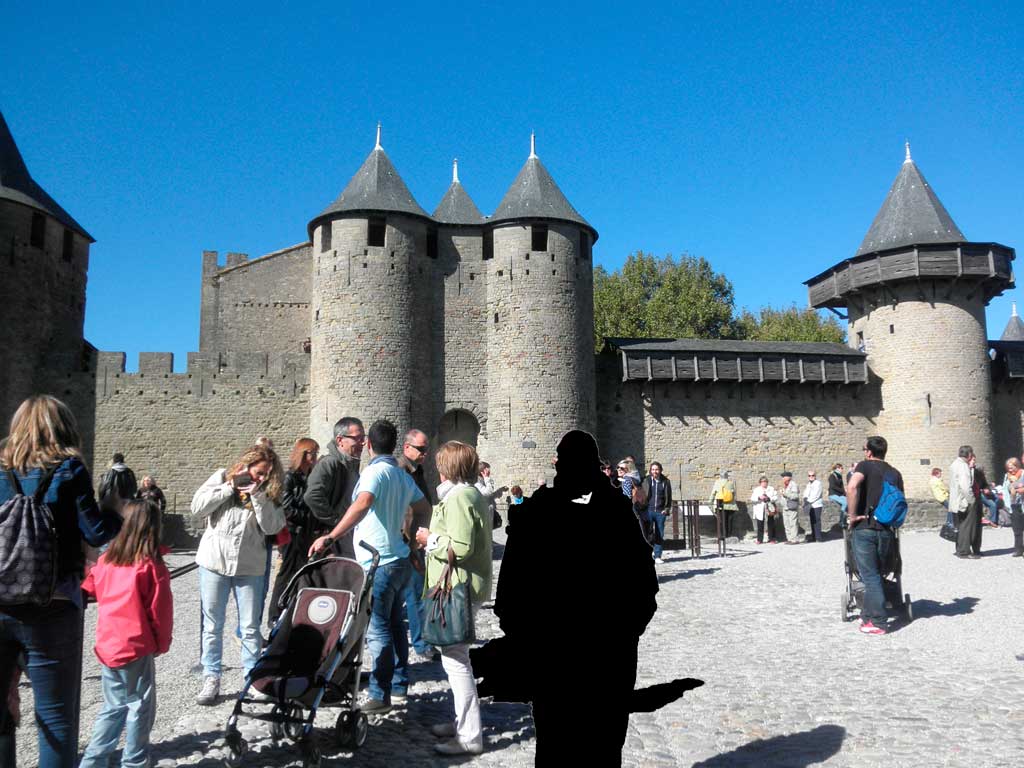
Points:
298	517
239	509
42	457
461	523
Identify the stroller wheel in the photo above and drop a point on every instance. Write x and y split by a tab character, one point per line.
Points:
237	748
350	729
908	607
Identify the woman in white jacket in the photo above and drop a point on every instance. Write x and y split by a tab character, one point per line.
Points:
765	500
239	509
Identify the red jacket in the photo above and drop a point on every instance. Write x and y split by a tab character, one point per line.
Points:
136	610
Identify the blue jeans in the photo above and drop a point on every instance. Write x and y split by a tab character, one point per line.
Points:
871	552
386	641
214	590
412	610
129	698
657	530
52	643
993	508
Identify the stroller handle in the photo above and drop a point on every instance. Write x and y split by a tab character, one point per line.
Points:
373	552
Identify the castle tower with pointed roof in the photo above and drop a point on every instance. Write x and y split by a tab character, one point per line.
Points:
45	253
915	294
540	309
373	288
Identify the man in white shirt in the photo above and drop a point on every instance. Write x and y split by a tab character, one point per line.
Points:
813	504
380	503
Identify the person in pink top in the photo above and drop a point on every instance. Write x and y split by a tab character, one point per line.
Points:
132	587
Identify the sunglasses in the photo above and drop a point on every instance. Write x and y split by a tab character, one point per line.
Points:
421	449
356	438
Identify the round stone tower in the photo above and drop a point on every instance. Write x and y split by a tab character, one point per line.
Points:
540	318
45	256
916	293
372	297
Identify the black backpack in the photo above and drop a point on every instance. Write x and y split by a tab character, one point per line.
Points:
28	545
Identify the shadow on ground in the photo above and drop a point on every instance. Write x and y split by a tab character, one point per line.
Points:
796	750
686	574
924	609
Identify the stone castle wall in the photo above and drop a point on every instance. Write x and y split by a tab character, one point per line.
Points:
540	375
931	360
180	427
258	305
1008	424
42	308
696	430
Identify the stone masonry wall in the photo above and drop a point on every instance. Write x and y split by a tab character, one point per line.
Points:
930	358
1008	423
258	305
696	430
42	309
539	377
180	427
371	354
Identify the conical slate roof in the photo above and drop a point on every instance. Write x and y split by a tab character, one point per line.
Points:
1014	329
910	215
457	207
534	195
376	187
17	184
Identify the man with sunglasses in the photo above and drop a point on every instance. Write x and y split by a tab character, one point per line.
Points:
329	492
414	452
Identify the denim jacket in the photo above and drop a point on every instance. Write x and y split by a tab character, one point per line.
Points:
76	516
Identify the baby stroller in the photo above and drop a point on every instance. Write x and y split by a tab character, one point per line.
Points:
312	659
852	598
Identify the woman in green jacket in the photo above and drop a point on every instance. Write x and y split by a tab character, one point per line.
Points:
461	521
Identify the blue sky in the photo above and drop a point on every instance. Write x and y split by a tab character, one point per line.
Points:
762	136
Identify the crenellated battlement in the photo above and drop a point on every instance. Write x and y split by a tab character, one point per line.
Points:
236	373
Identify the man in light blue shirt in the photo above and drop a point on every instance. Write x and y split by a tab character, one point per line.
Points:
379	509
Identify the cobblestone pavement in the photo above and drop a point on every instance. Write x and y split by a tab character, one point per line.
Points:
788	683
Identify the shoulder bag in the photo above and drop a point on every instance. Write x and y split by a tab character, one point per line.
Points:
447	613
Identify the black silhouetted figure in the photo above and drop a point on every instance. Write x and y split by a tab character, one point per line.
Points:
571	634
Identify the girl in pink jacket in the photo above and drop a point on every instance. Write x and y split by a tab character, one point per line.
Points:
132	588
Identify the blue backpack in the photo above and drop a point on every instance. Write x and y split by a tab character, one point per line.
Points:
891	509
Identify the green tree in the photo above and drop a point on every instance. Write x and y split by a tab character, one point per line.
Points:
789	324
662	298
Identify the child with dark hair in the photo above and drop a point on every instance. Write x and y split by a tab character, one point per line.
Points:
132	588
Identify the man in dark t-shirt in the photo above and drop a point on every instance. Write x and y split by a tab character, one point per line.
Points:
872	542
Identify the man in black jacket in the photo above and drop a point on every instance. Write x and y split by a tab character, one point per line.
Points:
329	491
658	490
414	453
118	484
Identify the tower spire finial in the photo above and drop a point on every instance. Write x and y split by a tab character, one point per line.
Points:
455	171
907	158
533	144
1014	311
378	136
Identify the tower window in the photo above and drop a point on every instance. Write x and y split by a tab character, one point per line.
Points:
539	237
431	243
37	238
488	244
69	244
585	250
326	232
892	329
375	229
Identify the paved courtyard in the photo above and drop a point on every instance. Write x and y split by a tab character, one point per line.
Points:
788	684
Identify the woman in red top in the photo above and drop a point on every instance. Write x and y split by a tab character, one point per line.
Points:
132	587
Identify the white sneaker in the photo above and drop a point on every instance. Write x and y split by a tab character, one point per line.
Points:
658	560
443	730
211	690
456	747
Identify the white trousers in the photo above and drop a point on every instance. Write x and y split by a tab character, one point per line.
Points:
455	660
